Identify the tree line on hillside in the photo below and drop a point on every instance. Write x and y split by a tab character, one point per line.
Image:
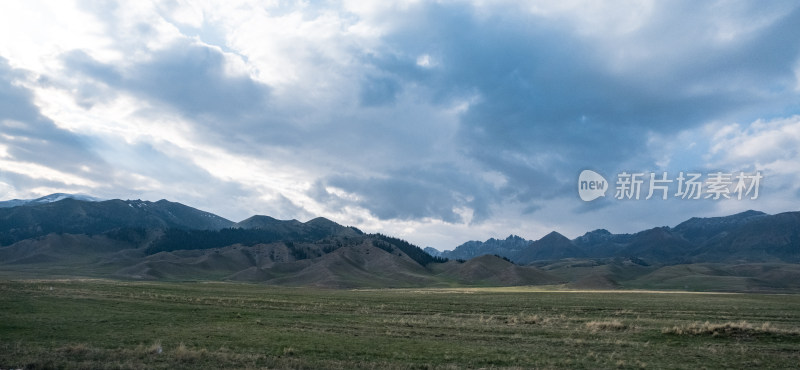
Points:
180	239
414	252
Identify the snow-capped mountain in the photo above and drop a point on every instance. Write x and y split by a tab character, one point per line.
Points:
47	199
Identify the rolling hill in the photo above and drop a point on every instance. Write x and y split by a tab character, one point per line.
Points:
170	241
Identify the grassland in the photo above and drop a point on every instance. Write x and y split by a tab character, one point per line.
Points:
113	324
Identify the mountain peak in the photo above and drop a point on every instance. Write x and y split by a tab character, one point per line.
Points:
598	232
554	236
504	247
55	197
748	213
697	228
324	225
550	247
432	251
256	221
320	221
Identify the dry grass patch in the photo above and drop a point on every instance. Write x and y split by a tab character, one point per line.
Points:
524	319
520	319
740	329
155	348
607	325
183	353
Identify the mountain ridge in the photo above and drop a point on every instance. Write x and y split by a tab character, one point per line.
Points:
135	239
163	240
697	240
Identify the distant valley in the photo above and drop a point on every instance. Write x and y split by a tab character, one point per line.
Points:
68	236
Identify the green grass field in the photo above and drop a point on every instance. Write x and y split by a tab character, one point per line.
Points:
112	324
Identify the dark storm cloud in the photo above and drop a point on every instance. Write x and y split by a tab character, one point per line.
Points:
189	77
550	105
31	137
193	78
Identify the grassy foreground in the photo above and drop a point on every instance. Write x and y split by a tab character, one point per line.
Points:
111	324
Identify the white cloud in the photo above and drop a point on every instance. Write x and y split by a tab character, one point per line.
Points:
761	142
34	33
768	146
39	172
597	19
424	60
124	123
185	12
289	47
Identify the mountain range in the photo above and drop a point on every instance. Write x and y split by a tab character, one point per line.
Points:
67	236
746	237
135	239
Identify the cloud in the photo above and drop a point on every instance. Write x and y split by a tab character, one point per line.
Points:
412	194
189	77
552	102
32	145
378	91
443	118
770	146
37	156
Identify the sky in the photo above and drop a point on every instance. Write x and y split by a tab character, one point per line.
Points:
435	121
